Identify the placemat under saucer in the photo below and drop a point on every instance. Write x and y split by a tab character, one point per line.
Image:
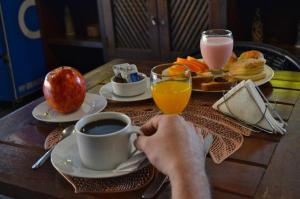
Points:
129	182
53	138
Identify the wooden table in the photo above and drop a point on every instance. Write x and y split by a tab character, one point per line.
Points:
266	166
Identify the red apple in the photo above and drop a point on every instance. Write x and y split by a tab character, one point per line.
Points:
64	89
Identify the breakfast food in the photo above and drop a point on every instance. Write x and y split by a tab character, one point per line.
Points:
127	81
64	89
219	84
198	70
193	64
250	65
126	73
200	78
232	59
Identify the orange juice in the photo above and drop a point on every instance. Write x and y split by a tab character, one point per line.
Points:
171	96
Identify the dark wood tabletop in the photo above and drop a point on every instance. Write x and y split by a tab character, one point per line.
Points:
266	166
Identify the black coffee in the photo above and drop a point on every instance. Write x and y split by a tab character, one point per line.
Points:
103	127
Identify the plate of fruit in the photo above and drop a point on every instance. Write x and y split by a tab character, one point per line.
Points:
249	65
66	99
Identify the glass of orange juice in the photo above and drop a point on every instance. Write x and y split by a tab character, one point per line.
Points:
171	87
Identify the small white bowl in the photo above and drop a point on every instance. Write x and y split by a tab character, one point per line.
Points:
129	89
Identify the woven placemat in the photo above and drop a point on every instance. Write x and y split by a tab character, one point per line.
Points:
130	182
227	134
227	138
53	138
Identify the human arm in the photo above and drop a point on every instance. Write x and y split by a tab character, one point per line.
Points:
176	148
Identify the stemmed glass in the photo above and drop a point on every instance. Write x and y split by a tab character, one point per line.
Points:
216	46
171	92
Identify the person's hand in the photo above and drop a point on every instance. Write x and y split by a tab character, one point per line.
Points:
176	148
172	145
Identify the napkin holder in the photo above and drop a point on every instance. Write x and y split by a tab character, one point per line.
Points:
263	111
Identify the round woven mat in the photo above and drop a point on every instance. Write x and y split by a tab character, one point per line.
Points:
130	182
227	134
53	138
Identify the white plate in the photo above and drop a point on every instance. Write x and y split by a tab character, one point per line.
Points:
269	75
107	92
92	103
65	159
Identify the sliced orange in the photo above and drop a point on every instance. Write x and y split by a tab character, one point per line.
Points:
176	69
191	58
198	62
194	66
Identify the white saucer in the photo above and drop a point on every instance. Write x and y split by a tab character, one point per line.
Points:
65	159
92	103
107	92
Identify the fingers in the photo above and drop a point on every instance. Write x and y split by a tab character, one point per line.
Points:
197	130
150	127
140	142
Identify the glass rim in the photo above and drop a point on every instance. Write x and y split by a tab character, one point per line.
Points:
170	64
210	33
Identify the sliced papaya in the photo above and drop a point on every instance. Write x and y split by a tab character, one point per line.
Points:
192	66
176	69
198	62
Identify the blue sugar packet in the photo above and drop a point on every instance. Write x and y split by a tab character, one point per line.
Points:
132	73
127	72
134	77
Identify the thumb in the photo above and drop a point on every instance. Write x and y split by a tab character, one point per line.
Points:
140	142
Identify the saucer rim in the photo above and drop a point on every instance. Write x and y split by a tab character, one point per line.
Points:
101	173
44	103
125	99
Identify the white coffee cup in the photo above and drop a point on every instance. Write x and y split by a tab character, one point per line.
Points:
104	152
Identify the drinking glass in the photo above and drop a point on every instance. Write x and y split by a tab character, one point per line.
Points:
171	92
216	46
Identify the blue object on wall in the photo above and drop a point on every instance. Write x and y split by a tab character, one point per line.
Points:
20	42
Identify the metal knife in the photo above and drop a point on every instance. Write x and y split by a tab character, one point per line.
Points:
155	186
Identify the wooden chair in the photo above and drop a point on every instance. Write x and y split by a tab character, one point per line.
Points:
277	58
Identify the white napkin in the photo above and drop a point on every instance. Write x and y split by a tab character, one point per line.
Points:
137	160
244	103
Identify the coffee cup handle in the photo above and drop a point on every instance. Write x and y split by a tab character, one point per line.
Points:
135	130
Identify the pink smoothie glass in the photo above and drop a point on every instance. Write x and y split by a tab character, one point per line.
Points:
216	47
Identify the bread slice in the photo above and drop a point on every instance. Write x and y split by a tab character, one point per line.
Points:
217	86
201	78
232	59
